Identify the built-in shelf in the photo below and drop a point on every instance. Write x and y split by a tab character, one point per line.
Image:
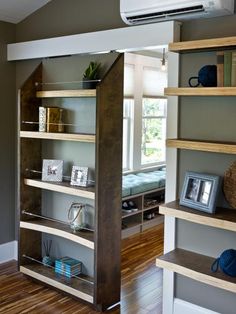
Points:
145	193
200	91
74	286
206	146
158	218
152	222
156	206
223	218
67	93
124	215
62	187
197	267
131	224
85	238
88	138
204	45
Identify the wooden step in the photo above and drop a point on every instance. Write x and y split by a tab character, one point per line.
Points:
200	91
67	93
85	238
197	267
88	138
223	218
62	187
73	286
204	44
205	146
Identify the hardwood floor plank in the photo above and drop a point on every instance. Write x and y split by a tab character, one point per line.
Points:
141	291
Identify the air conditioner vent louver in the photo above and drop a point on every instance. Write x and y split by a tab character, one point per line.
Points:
167	13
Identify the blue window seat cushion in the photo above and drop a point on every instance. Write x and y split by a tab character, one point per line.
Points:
142	182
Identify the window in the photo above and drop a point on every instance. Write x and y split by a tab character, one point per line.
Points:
153	131
144	121
127	133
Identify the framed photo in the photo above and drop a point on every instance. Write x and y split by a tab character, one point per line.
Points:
79	176
52	170
200	191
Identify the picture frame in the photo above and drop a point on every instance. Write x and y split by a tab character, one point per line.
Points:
200	191
52	170
81	176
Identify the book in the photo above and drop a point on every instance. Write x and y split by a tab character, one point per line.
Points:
233	69
68	266
55	119
220	68
42	119
227	68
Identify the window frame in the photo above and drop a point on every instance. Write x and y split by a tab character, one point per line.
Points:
135	155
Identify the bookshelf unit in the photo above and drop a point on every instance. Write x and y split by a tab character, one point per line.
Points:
187	263
103	243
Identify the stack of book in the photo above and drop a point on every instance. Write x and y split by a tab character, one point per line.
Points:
51	119
226	68
68	266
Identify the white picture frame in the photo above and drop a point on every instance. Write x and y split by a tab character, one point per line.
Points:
52	170
79	176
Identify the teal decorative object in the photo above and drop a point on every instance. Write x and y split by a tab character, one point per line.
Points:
47	260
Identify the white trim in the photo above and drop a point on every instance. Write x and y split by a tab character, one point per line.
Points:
127	38
171	181
183	307
8	251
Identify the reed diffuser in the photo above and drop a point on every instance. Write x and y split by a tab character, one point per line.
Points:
47	260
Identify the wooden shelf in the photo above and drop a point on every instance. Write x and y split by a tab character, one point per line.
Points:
153	221
156	206
124	215
67	93
197	267
200	91
62	187
223	218
131	224
205	146
204	45
74	286
85	238
142	193
88	138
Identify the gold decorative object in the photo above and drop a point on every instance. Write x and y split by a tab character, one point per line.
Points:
229	185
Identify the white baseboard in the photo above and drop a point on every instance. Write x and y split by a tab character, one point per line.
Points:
8	251
183	307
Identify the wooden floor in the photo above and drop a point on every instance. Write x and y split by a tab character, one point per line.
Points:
141	291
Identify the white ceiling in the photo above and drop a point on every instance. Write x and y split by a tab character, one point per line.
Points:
14	11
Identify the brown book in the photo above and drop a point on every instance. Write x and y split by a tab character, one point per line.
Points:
55	119
220	68
233	70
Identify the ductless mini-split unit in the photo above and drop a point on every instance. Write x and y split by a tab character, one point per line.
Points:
149	11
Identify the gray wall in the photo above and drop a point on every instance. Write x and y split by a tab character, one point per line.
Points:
7	136
67	17
210	118
84	16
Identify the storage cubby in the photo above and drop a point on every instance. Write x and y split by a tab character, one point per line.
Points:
148	201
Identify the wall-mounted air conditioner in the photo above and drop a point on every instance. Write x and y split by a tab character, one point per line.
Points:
149	11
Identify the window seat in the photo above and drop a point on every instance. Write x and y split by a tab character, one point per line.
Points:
143	181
